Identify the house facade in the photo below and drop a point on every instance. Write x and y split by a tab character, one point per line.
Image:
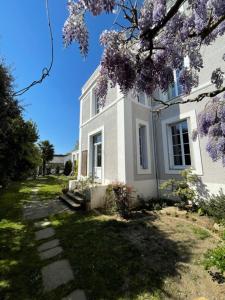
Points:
126	142
59	160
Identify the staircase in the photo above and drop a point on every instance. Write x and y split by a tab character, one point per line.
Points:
74	200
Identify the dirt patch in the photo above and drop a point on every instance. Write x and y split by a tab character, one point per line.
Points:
177	254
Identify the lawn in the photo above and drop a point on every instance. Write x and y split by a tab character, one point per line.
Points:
158	257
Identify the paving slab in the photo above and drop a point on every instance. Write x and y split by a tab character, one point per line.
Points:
35	213
56	274
42	224
76	295
48	245
50	253
44	233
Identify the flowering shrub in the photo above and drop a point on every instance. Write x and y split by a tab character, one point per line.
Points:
118	199
123	198
211	123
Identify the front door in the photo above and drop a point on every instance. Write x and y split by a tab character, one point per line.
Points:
97	157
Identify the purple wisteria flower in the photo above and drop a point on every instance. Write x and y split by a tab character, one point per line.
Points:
211	123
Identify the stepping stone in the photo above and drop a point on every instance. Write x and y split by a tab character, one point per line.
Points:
42	224
48	245
56	274
36	213
50	253
44	233
76	295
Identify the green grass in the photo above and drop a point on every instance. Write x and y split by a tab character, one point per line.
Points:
201	233
19	263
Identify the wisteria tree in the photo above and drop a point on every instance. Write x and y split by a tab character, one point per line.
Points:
151	39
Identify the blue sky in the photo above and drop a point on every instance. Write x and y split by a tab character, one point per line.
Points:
25	47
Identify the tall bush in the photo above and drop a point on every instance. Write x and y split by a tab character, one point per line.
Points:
68	168
19	155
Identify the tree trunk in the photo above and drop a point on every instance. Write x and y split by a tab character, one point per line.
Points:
43	167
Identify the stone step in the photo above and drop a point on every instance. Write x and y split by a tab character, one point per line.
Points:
69	202
75	197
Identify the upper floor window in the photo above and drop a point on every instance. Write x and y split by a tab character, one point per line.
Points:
141	98
180	154
97	104
176	89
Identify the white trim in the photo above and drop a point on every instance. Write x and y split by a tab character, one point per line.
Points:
102	111
89	158
80	157
121	159
140	170
194	145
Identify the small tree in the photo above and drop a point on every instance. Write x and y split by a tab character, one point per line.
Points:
47	154
184	188
68	168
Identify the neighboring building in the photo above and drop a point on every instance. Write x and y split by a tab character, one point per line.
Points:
59	160
126	142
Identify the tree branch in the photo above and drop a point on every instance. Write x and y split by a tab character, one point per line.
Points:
199	98
46	70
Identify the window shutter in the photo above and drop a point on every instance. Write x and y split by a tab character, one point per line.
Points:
84	163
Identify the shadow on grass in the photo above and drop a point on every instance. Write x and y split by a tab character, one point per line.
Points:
19	262
118	260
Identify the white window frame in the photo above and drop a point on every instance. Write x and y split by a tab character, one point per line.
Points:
170	140
196	160
176	84
145	99
93	103
140	170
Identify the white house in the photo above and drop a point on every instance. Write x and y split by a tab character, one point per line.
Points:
61	159
128	143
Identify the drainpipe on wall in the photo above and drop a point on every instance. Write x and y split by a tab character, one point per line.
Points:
154	116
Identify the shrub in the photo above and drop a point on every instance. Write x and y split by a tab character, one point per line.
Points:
183	189
215	207
123	198
68	168
215	258
110	200
57	169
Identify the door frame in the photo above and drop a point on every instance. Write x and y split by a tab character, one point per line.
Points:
90	152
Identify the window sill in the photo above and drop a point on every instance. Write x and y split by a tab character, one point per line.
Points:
141	171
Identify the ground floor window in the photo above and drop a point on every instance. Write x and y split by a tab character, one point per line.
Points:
181	156
143	147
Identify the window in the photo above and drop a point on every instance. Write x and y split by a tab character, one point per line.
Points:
143	147
181	156
176	89
141	98
97	105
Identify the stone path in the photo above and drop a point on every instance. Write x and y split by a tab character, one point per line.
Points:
59	272
41	209
56	274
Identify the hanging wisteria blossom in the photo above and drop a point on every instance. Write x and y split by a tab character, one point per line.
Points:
211	123
142	52
151	39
